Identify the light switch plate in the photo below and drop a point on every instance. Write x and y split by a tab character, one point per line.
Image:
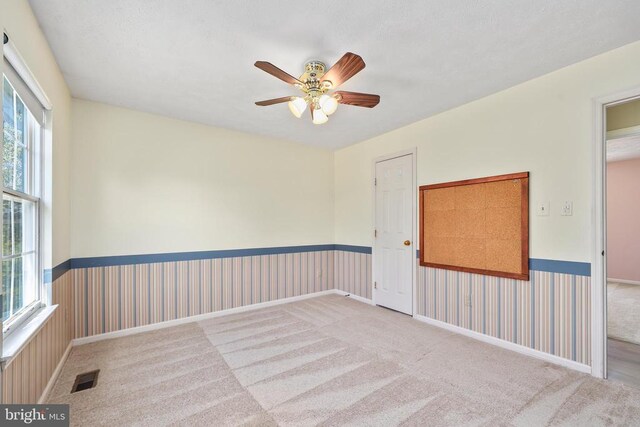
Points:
567	208
542	209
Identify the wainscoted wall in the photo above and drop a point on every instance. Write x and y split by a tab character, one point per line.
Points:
26	376
111	298
134	292
550	312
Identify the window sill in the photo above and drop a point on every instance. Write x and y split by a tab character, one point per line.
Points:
19	338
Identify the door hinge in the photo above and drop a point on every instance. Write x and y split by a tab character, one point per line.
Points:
375	285
375	181
375	234
602	253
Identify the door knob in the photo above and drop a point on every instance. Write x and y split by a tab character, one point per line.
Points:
407	242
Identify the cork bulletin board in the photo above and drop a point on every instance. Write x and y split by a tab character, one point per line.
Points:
477	225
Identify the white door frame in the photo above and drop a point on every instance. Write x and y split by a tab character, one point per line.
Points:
599	228
414	221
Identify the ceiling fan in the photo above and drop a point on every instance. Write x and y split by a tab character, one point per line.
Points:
315	83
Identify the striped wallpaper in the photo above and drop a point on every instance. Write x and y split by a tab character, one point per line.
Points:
550	312
112	298
25	377
353	273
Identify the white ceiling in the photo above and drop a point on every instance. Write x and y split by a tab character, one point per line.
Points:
193	59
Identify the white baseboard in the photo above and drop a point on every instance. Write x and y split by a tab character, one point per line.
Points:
55	375
506	344
355	297
196	318
624	281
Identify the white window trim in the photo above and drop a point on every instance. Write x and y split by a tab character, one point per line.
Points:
23	315
35	164
23	326
10	52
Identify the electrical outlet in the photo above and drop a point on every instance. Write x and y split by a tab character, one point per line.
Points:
542	209
467	300
567	208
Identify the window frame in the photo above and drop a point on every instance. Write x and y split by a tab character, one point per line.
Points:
33	184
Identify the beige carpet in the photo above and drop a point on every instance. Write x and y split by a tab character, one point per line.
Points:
623	308
329	361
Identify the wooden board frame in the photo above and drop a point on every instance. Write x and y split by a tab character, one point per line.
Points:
524	225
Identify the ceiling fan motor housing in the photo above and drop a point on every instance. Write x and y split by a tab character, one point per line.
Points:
314	69
315	82
312	86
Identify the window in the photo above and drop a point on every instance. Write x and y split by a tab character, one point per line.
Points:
20	202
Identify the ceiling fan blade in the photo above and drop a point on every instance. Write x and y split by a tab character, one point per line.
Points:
348	66
267	102
277	72
357	99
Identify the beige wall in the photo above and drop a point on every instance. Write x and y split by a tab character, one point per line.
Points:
623	115
543	126
19	22
143	183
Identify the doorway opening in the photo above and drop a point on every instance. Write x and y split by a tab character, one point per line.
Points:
622	251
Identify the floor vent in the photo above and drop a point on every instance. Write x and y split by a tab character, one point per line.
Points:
85	381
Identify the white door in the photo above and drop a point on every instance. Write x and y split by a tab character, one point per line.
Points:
394	250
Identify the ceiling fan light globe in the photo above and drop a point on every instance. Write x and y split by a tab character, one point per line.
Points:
319	117
328	104
297	106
